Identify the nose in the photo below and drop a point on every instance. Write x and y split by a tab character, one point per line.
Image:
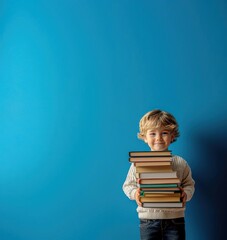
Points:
159	137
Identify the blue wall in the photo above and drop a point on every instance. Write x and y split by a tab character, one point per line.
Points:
75	78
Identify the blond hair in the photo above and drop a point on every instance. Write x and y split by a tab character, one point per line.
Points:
158	119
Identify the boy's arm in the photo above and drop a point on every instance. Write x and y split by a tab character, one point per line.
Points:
188	183
130	185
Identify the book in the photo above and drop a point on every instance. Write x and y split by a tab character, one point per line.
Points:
158	181
149	175
140	164
143	169
146	193
149	153
160	199
162	205
145	186
159	194
153	159
160	189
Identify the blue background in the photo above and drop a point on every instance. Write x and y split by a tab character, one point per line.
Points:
76	77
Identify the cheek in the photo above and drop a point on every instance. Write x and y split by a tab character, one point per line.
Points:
168	140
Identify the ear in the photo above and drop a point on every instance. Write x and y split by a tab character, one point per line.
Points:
172	137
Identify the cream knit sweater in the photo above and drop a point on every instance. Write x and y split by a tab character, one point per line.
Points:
187	183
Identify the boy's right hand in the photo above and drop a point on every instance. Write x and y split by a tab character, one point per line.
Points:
137	197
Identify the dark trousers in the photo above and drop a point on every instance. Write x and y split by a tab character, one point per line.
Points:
162	229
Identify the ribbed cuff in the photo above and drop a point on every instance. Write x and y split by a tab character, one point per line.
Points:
132	194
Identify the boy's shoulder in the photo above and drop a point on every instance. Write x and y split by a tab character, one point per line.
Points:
178	159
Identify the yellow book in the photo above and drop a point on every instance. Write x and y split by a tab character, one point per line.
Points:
160	199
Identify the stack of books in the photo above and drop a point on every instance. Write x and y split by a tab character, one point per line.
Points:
159	184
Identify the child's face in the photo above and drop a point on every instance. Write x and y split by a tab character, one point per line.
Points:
158	139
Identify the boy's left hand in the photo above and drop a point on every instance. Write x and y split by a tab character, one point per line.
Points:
183	196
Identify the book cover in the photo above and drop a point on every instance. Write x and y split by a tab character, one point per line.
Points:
143	164
165	168
160	199
160	189
145	186
149	175
159	194
162	205
158	181
151	159
149	153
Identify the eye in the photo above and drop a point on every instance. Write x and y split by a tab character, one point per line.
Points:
165	133
152	134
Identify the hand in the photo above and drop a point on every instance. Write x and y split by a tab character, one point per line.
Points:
183	196
137	197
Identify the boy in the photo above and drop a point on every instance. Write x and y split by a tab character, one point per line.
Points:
159	129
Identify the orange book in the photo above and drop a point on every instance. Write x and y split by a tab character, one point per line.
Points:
164	168
159	199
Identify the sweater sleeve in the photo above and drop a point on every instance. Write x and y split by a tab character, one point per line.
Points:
130	184
188	183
